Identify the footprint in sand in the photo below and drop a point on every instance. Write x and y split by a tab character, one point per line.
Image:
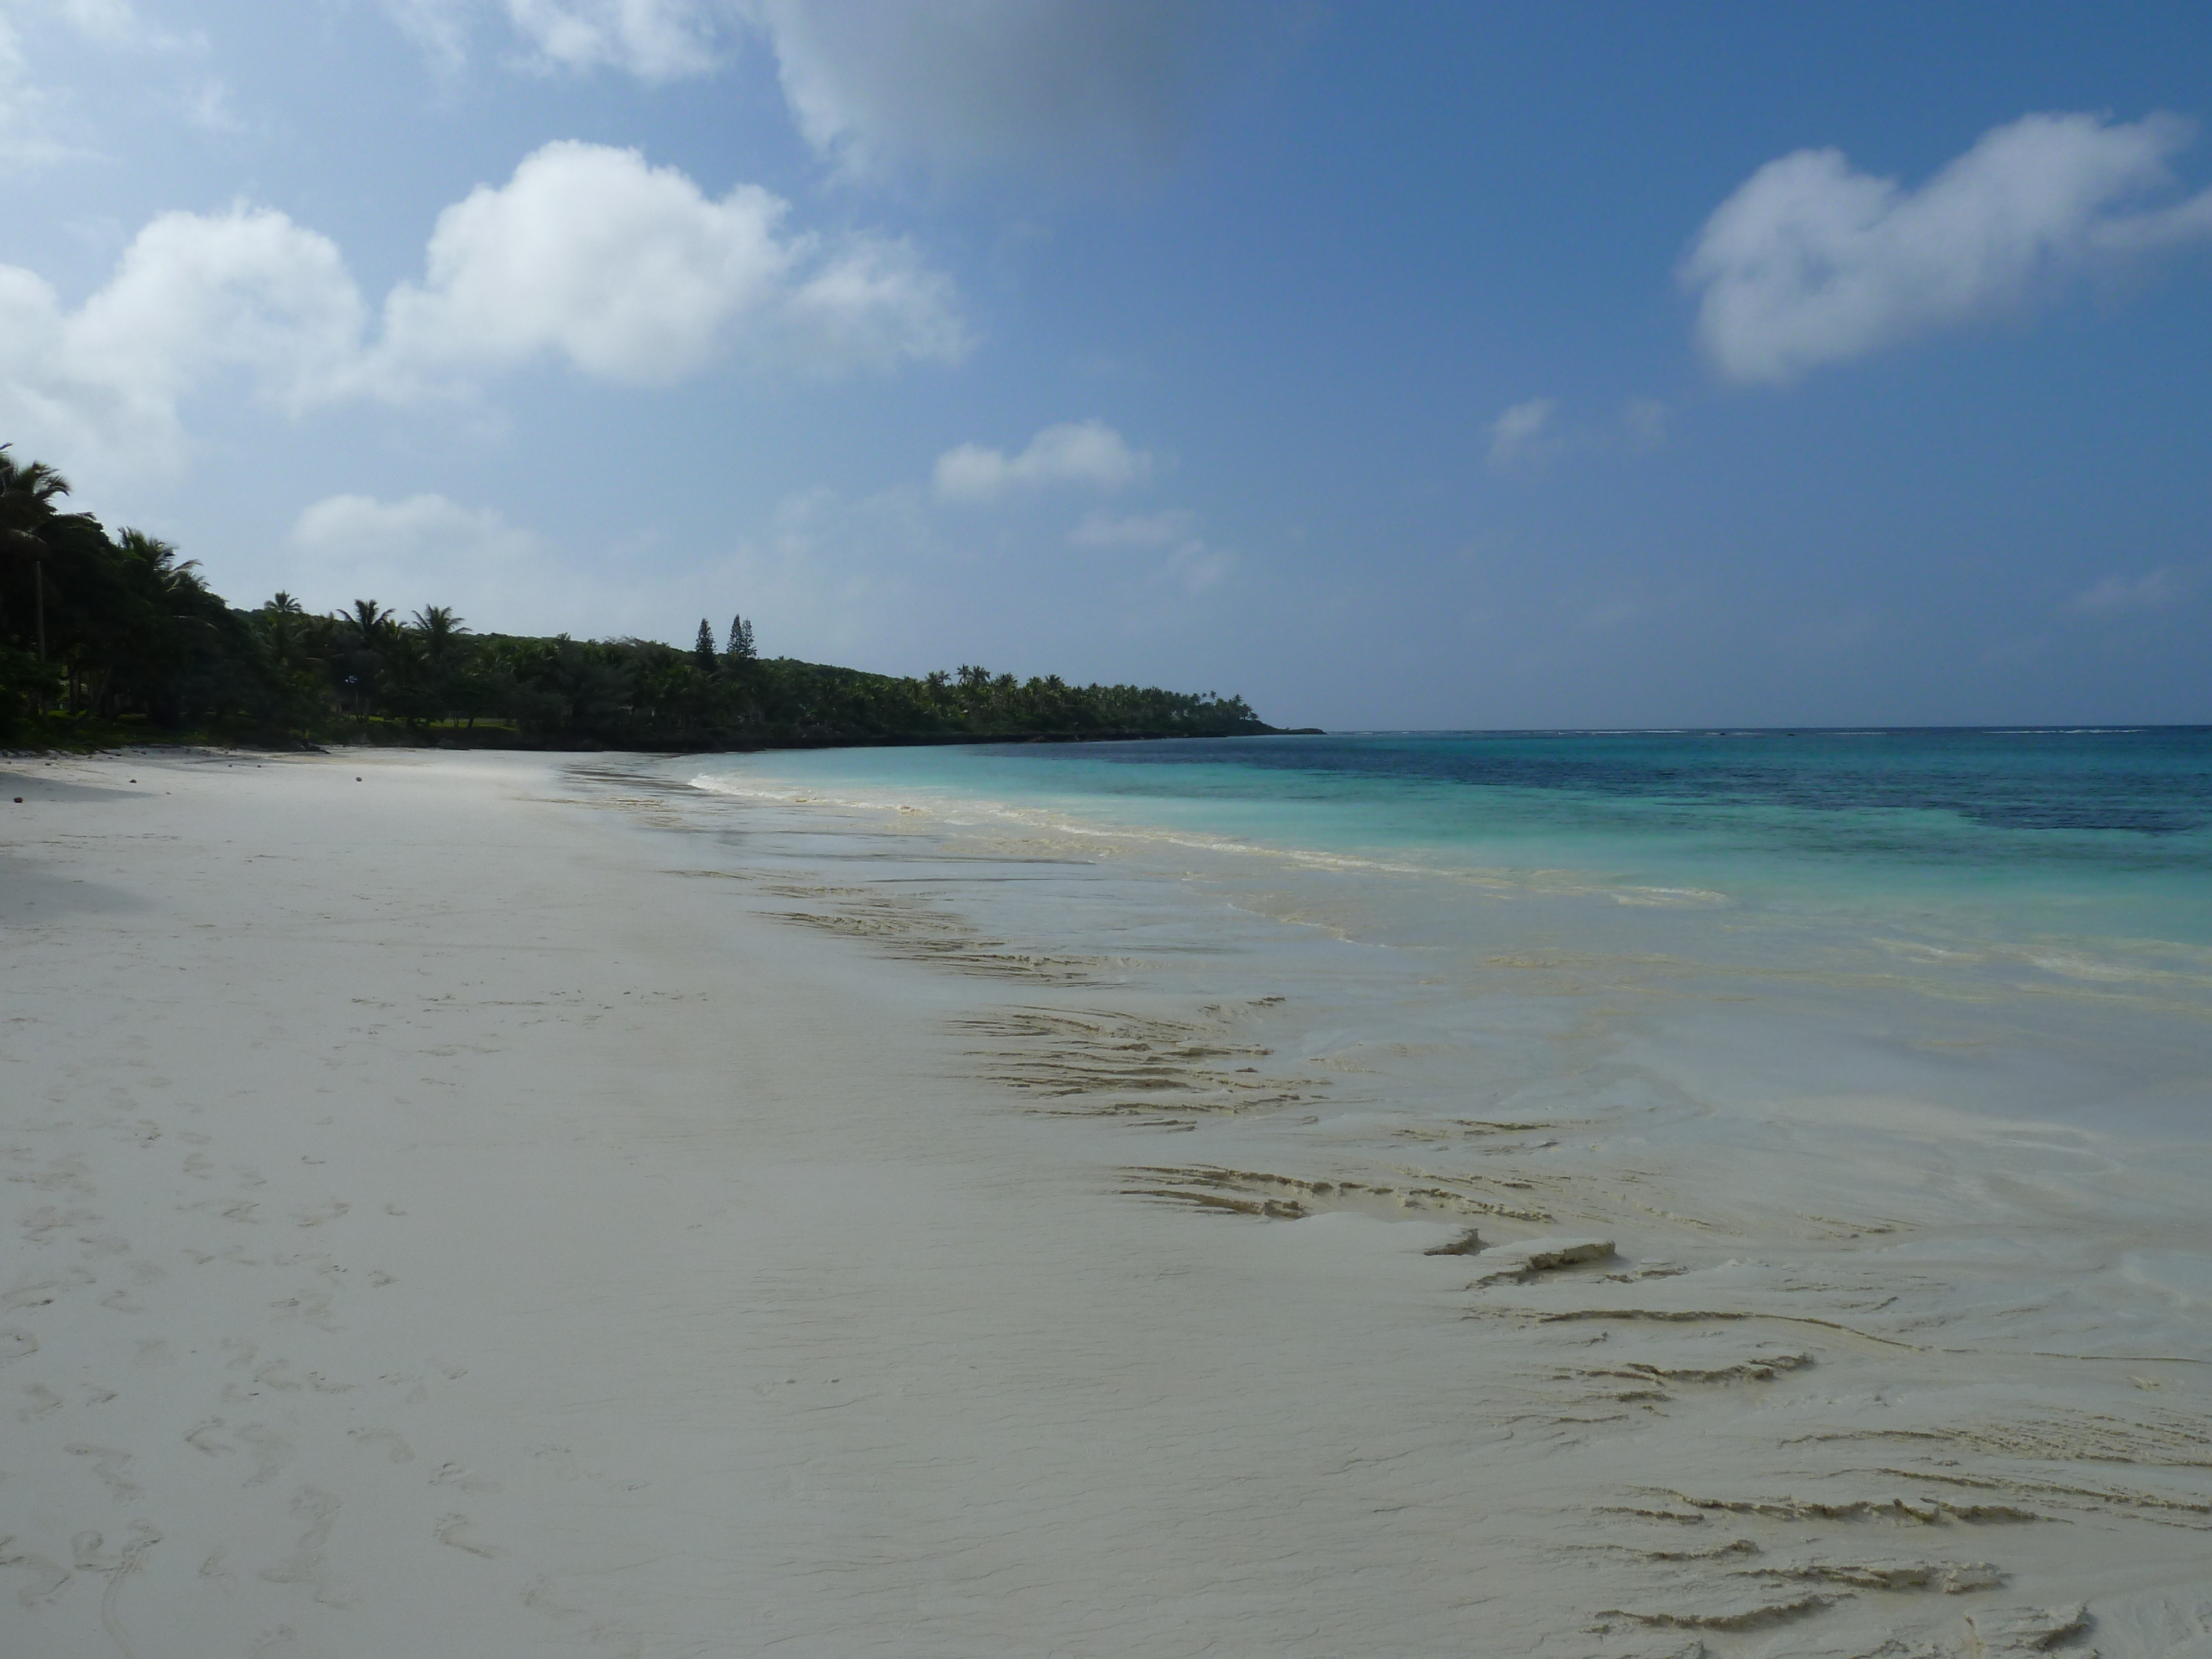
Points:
67	1175
42	1223
48	1579
46	1292
455	1475
452	1532
560	1460
539	1598
270	1451
396	1450
311	1306
91	1553
320	1510
43	1401
109	1465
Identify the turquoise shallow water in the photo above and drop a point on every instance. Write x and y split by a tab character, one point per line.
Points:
2104	833
1964	977
1730	906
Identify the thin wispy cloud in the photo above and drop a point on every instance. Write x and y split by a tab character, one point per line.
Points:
2117	596
40	124
439	28
653	39
1515	435
1193	564
354	546
1086	453
1644	420
1101	529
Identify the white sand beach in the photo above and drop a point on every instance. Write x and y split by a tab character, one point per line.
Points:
448	1211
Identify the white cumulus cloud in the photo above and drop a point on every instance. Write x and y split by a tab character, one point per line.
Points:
194	295
631	272
588	255
1811	262
1085	453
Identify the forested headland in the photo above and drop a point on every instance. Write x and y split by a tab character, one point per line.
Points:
109	638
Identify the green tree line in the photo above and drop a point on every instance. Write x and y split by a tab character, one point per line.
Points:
105	636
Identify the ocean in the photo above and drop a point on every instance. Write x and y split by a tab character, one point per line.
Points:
1938	996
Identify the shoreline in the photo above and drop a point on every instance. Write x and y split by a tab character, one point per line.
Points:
733	1300
734	746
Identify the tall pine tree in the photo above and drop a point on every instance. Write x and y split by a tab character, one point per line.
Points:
702	654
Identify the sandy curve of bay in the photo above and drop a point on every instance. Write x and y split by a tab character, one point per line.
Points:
440	1218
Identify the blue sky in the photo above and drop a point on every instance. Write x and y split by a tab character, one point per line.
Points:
1392	364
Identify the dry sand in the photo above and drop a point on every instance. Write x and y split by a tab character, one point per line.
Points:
439	1221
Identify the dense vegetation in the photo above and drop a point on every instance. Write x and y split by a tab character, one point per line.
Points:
104	637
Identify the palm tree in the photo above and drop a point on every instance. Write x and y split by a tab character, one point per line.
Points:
364	632
161	560
367	623
440	629
286	634
28	492
283	623
431	664
28	513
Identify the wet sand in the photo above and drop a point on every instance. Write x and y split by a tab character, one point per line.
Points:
455	1212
